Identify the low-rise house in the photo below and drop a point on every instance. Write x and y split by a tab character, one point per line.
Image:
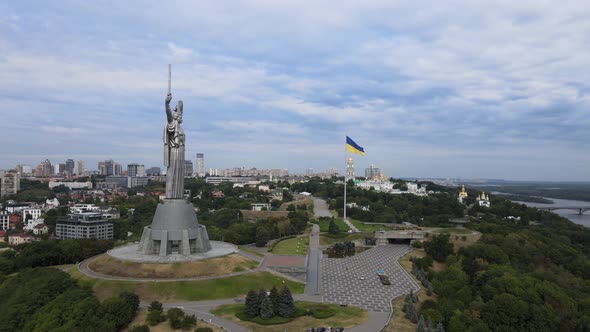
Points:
16	239
40	229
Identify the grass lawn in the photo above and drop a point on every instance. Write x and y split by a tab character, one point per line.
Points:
324	224
460	237
250	251
368	227
335	316
194	290
292	246
108	265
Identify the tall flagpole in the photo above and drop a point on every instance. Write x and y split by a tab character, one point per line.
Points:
345	180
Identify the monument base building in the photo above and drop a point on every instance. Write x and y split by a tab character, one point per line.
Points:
174	230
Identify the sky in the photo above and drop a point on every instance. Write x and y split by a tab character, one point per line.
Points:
465	89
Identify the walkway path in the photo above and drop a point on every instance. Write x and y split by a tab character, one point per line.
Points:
313	261
320	208
352	227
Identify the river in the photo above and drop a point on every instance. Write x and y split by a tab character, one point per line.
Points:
572	215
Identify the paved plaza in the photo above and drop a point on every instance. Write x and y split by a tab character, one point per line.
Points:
341	278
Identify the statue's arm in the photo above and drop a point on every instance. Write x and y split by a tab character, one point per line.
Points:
168	111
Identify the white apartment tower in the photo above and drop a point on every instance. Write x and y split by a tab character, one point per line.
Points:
200	165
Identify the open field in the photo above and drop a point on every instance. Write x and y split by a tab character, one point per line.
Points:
292	246
346	317
107	265
140	319
193	290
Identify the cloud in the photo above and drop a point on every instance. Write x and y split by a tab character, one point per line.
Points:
410	80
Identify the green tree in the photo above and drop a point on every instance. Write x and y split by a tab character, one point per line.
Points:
274	297
262	236
175	317
439	247
252	304
286	305
188	321
140	328
266	309
333	228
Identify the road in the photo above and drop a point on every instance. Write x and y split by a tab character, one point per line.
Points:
320	208
313	261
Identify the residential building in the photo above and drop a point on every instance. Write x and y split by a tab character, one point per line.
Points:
138	181
40	229
121	181
213	172
188	168
2	236
79	167
234	179
135	170
200	165
276	194
109	167
24	169
30	224
34	213
372	172
59	169
9	183
70	165
217	194
52	203
44	169
84	226
71	185
16	239
4	220
260	206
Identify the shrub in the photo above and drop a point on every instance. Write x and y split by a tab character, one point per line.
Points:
140	328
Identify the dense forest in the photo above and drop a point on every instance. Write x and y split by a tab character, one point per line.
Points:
46	299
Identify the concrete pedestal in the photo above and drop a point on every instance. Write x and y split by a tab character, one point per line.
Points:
174	230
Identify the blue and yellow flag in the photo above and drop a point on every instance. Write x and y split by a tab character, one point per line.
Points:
352	147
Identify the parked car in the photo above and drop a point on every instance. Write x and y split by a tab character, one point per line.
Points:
321	329
339	329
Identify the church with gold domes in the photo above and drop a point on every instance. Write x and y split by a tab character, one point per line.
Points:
462	195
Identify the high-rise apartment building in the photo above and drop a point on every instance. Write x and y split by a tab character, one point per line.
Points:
135	170
213	172
79	167
188	168
372	172
69	166
200	165
44	169
9	183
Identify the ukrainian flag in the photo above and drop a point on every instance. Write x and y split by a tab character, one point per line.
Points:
352	147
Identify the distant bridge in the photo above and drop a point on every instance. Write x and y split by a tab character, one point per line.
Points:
579	209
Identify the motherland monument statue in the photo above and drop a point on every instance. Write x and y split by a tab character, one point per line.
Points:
174	229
